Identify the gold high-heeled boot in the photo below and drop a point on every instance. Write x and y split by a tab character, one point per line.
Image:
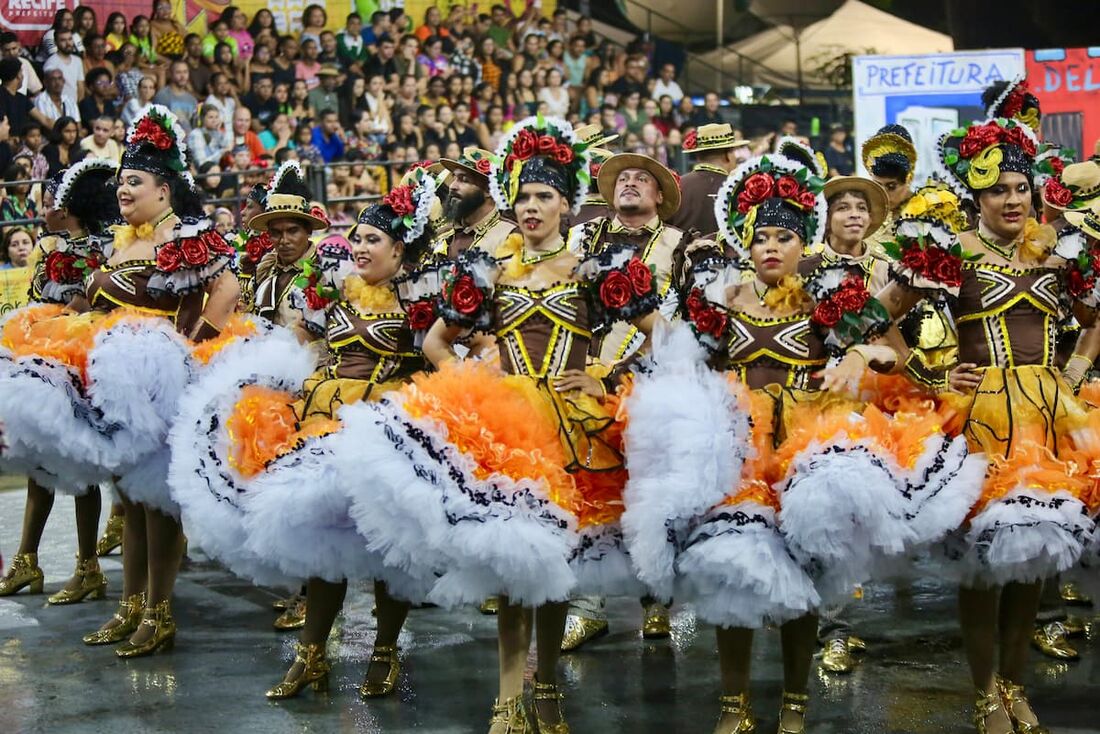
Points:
986	705
112	535
294	618
549	692
382	654
128	617
163	637
1011	695
315	670
796	703
740	707
509	717
92	583
24	572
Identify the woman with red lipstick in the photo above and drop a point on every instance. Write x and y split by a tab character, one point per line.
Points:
792	530
1012	403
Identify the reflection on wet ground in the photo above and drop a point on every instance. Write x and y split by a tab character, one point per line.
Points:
913	678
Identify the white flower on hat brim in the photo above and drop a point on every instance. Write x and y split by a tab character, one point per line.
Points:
532	123
73	174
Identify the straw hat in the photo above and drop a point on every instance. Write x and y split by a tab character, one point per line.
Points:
712	137
877	200
616	164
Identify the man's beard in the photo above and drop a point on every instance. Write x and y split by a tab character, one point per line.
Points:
459	208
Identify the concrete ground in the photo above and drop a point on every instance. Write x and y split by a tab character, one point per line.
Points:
913	678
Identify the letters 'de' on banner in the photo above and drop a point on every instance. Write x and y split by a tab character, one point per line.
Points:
928	94
1067	82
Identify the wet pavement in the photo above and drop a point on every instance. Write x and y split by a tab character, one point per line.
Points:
913	678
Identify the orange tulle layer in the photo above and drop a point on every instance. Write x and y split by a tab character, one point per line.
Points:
515	426
52	333
263	427
239	326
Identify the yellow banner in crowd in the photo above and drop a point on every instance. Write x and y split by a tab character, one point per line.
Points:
14	284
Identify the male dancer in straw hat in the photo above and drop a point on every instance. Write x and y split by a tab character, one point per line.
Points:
714	148
470	208
641	195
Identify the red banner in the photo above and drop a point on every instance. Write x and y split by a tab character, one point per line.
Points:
30	18
1066	81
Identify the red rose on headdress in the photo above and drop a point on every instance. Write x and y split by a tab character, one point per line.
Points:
947	270
694	303
1017	137
419	164
483	166
787	188
563	154
91	262
978	139
1014	103
194	251
676	178
691	140
616	290
320	214
827	314
421	315
547	144
525	144
466	297
258	246
400	200
169	258
510	162
757	188
595	169
711	321
1057	194
154	133
807	201
314	300
915	258
641	278
1057	165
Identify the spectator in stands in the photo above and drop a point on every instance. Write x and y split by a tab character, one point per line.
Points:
95	55
260	66
18	241
167	32
225	63
434	61
208	142
198	69
237	23
380	25
314	20
328	137
115	31
243	133
709	114
127	73
433	25
666	85
278	135
17	204
218	33
70	65
789	127
62	21
146	90
261	103
100	100
285	61
14	106
148	60
502	26
10	48
839	154
118	132
578	62
324	96
308	68
64	148
491	130
351	46
299	101
55	103
177	95
100	144
262	20
221	95
634	78
34	140
303	144
554	94
384	63
406	60
328	53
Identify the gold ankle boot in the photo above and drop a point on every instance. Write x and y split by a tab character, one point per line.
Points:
1071	594
509	717
986	705
163	637
24	572
656	625
1011	695
112	536
315	670
796	703
580	630
549	692
294	618
92	583
128	617
382	654
740	707
490	606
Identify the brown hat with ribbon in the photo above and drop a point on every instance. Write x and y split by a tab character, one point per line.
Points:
712	137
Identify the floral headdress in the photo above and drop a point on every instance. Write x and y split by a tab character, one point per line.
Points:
926	245
155	143
549	138
773	189
74	173
1079	246
1013	101
405	211
1073	186
288	198
971	159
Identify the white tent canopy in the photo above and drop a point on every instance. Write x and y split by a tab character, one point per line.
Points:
855	28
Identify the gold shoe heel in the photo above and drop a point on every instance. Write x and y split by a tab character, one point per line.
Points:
128	617
315	672
986	705
549	692
383	654
509	717
23	574
92	584
740	707
112	536
795	703
163	637
656	625
1011	695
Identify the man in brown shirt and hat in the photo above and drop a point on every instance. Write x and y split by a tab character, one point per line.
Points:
477	223
714	149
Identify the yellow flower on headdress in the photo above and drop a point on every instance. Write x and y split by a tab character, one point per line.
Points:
985	168
513	182
1030	118
748	227
916	206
